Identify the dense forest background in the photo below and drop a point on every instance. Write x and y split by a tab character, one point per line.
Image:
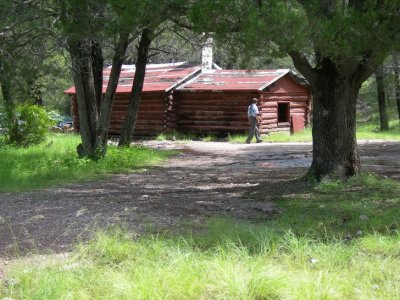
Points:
46	74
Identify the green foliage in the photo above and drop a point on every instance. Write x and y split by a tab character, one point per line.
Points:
318	247
29	126
210	137
372	131
55	79
55	161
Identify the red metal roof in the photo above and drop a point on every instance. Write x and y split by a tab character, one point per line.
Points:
159	77
234	80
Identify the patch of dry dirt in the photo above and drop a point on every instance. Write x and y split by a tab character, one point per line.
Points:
206	180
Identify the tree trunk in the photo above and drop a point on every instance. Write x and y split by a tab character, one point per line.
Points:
380	87
6	93
82	70
35	92
136	94
97	67
334	128
396	63
106	106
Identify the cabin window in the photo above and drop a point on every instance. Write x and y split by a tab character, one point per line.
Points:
283	112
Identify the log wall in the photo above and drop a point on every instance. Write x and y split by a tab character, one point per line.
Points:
157	113
298	104
213	111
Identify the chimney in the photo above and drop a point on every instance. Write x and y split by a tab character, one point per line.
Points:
207	55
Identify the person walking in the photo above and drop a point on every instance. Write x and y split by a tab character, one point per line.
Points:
253	113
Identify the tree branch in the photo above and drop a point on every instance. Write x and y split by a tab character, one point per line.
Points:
303	66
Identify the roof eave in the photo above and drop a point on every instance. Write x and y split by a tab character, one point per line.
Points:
183	80
285	72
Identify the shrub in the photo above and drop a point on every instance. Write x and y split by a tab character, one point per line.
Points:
29	126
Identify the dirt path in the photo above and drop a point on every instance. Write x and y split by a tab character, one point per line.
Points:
206	180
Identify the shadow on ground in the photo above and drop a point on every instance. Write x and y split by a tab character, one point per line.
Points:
207	180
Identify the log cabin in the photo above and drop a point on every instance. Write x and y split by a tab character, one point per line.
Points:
217	100
186	97
157	110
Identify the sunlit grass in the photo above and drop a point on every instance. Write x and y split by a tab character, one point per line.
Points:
55	161
332	241
364	132
372	131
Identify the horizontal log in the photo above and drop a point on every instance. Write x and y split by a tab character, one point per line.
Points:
213	127
228	102
298	104
142	113
220	120
142	129
269	121
211	113
283	124
297	110
271	126
269	115
269	110
139	121
211	123
269	105
200	107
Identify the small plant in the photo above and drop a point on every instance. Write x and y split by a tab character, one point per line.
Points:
236	138
28	126
209	137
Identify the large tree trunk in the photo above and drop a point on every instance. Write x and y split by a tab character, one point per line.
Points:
106	105
396	63
335	88
82	70
136	94
334	128
380	87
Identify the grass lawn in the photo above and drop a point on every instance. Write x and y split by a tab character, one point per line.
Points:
55	162
331	241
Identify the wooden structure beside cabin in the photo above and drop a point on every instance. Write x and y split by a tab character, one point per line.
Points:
217	100
181	97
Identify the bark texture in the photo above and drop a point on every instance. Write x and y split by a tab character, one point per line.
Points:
6	93
106	105
335	90
380	87
82	70
94	109
396	63
136	94
334	129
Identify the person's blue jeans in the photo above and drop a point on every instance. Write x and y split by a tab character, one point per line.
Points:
253	130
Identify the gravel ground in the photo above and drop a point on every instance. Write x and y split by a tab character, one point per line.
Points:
206	180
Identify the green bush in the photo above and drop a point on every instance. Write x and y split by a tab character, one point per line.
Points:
29	126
